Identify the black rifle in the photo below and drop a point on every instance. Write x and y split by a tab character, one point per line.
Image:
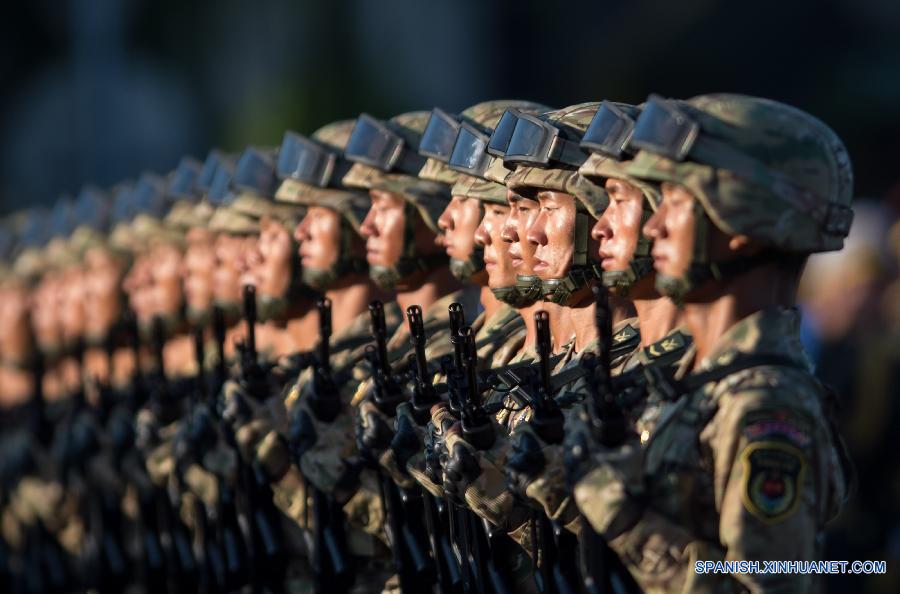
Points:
601	568
411	562
265	551
327	543
480	544
201	436
552	547
180	561
437	522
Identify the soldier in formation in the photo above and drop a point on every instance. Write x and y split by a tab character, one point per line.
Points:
513	348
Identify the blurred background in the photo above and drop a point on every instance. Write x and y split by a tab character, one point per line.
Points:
97	91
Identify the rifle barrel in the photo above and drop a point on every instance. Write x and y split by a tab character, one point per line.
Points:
250	317
324	307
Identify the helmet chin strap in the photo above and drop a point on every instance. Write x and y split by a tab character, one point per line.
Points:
323	279
410	262
528	286
199	317
511	296
702	269
463	270
231	310
580	274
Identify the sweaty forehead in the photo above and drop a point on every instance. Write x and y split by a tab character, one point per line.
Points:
545	196
385	199
671	191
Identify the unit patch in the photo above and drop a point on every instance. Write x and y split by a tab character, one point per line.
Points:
773	478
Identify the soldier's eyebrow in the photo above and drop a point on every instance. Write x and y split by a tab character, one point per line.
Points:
547	196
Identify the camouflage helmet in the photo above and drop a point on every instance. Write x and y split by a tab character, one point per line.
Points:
757	167
560	173
441	134
182	186
32	234
429	198
7	249
606	139
312	170
254	183
151	204
92	222
63	220
470	158
466	158
791	167
385	158
226	219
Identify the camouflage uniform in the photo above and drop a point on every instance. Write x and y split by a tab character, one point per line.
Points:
742	462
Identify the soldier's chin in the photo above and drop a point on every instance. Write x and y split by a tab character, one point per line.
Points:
96	338
230	309
271	309
199	316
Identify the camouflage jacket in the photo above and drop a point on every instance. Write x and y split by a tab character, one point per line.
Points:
746	465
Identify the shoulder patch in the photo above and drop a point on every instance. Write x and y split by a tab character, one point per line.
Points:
773	478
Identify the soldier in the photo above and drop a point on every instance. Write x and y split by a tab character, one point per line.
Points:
199	254
108	355
743	463
235	237
403	256
464	214
332	253
285	306
625	254
17	345
40	534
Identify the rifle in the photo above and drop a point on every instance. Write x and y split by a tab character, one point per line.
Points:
331	561
602	570
264	538
480	543
220	371
410	560
324	400
551	544
201	437
424	395
437	524
180	560
387	394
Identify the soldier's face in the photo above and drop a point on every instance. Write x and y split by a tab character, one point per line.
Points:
138	285
197	270
384	227
72	304
522	214
166	279
273	271
230	253
488	235
672	230
458	222
15	340
319	237
45	312
619	229
101	277
553	234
